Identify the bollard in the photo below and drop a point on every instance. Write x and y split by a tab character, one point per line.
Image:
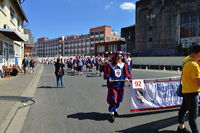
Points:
164	69
178	69
146	67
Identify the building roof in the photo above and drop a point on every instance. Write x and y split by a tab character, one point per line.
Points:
129	26
21	10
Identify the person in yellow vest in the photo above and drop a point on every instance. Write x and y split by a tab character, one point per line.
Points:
190	90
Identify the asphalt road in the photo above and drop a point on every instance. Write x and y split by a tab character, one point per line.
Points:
81	107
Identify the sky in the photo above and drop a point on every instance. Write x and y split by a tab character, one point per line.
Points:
55	18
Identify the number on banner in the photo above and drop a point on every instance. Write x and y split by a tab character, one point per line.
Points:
138	84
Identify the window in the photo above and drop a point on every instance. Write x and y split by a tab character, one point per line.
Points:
102	32
92	39
97	33
96	39
91	33
150	40
92	45
12	14
108	38
101	38
100	49
112	48
150	28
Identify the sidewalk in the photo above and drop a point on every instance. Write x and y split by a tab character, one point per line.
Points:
13	88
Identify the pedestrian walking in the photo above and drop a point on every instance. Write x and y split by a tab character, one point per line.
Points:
32	65
116	70
25	65
59	72
190	89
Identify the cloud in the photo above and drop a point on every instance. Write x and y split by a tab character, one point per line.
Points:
109	5
127	6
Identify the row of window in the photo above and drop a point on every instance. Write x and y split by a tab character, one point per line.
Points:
190	18
111	48
78	41
97	32
97	39
77	46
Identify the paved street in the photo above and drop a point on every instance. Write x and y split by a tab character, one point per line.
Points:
81	107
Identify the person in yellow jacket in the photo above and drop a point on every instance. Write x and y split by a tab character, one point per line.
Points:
190	90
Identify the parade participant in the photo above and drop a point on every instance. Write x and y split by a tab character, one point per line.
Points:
80	64
128	60
75	63
97	63
116	70
70	64
59	72
102	64
88	64
92	62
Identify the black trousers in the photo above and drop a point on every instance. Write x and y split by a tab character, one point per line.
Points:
190	103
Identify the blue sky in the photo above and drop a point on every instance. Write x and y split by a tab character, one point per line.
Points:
54	18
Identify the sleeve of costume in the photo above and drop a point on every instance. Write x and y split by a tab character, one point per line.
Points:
107	72
131	64
127	75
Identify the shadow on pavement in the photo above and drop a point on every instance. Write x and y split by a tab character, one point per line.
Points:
89	116
104	85
147	113
16	98
92	75
48	87
153	127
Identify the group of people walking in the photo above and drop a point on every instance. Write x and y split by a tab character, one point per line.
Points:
117	69
28	65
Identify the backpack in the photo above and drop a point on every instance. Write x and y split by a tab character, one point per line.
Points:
60	72
80	63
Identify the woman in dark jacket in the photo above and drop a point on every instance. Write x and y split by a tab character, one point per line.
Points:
59	72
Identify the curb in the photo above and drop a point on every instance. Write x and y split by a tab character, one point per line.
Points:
163	71
13	119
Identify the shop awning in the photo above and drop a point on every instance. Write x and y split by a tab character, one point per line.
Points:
12	34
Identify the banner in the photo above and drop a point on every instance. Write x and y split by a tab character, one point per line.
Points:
154	95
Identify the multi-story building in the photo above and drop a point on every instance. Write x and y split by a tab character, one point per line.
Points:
12	36
162	25
128	33
75	44
101	34
50	47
